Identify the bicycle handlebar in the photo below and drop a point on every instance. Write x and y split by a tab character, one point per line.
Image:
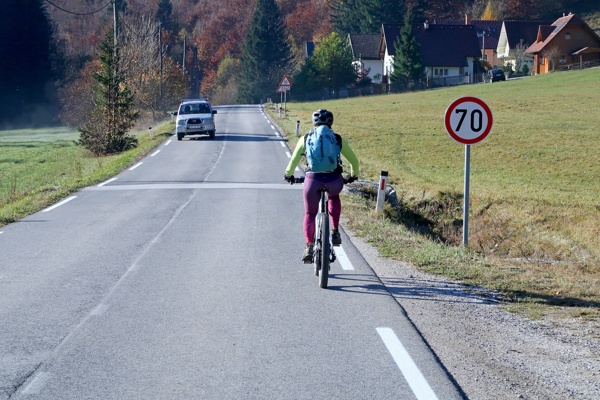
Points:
347	180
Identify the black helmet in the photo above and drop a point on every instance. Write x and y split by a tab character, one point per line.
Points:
322	117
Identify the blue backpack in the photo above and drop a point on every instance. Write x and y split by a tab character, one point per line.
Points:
322	149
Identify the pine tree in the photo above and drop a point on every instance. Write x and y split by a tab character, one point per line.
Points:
488	13
106	132
266	55
364	16
164	14
26	61
408	63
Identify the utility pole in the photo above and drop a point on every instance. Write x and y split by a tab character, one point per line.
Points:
184	54
160	56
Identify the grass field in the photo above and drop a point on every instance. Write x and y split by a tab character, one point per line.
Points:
39	167
534	228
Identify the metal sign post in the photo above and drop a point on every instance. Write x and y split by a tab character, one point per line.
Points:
468	120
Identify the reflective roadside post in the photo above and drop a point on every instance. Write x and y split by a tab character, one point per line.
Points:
381	192
297	128
150	132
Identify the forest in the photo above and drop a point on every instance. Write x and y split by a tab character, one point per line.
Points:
200	46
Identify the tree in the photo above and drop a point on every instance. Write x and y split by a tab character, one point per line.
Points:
488	13
551	55
366	17
106	132
333	61
266	55
26	76
408	63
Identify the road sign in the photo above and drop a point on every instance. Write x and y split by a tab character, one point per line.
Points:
468	120
285	82
283	89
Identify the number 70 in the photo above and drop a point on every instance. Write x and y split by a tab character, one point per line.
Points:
476	119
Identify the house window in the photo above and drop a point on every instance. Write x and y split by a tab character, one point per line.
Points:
563	59
568	35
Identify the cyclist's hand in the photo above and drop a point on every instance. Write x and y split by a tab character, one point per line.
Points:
290	178
350	179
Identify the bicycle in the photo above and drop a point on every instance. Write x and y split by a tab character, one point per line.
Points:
324	253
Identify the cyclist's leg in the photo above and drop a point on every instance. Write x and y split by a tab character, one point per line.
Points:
311	205
335	204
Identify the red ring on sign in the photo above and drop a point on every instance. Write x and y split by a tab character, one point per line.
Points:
455	104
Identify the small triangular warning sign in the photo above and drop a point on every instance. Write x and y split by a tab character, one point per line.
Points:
285	81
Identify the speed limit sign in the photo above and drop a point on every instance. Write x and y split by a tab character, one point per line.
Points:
468	120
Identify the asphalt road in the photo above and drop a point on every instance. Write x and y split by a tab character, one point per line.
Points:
181	278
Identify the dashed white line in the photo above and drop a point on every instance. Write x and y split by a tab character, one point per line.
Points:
272	127
37	384
135	166
155	153
168	141
343	258
282	144
107	182
407	366
59	204
1	232
288	154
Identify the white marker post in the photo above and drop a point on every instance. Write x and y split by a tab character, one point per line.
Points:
297	128
468	120
381	192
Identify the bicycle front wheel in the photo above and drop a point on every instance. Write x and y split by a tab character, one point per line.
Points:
325	252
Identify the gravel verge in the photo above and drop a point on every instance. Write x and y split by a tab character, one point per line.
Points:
491	353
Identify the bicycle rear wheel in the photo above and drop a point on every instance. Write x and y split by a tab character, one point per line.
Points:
325	252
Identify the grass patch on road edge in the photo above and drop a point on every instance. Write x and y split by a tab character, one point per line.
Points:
41	167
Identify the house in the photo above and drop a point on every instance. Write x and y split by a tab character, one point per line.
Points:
365	51
488	33
447	50
515	38
568	41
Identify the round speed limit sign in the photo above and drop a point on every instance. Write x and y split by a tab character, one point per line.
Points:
468	120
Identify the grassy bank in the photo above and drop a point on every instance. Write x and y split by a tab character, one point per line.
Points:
42	166
535	188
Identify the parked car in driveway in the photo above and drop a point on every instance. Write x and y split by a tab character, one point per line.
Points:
496	75
195	117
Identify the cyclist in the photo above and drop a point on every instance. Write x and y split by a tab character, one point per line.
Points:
333	181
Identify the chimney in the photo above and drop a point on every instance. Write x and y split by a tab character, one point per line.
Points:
467	19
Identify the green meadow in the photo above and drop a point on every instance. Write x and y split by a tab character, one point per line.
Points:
534	224
39	167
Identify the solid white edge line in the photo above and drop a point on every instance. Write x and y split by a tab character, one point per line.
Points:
155	153
59	204
407	366
167	143
107	182
343	258
136	165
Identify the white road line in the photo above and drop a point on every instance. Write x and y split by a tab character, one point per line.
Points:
37	384
59	204
135	166
282	144
407	366
288	154
101	309
168	141
272	127
155	153
1	232
107	182
343	259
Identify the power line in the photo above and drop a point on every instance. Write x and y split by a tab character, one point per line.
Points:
76	13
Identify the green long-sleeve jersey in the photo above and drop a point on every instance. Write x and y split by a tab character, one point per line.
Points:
299	151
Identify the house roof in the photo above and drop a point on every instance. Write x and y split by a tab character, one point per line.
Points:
365	46
492	30
441	45
525	31
547	33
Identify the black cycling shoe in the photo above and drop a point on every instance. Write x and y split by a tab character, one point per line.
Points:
336	239
308	254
